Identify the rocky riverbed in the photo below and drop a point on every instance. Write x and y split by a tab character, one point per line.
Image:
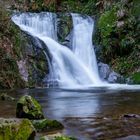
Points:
31	121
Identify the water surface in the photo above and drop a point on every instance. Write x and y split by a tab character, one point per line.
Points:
95	114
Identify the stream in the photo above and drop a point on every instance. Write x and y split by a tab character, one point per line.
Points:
92	114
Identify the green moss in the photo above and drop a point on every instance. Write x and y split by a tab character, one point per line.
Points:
136	78
47	125
15	129
106	26
107	22
28	107
57	137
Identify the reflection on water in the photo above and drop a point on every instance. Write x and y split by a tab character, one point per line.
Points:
92	114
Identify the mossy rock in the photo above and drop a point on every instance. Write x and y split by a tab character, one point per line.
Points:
47	125
16	129
136	78
28	107
57	136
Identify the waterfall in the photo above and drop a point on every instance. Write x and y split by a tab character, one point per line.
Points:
70	67
82	43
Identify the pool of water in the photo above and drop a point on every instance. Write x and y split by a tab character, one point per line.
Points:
93	114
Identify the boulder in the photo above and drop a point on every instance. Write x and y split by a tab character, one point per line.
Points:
16	129
28	107
114	77
57	136
47	125
107	74
104	70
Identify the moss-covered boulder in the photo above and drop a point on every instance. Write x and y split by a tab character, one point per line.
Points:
28	107
47	125
16	129
57	136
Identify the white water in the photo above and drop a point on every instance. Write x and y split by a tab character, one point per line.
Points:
82	43
71	68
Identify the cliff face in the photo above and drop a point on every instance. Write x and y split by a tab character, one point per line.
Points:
20	64
116	37
9	73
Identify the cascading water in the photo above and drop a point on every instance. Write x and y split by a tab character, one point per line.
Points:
82	43
69	67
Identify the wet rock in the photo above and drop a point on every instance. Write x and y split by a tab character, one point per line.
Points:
47	125
132	137
114	77
67	42
104	70
28	107
106	73
121	13
16	129
129	80
120	24
57	136
23	69
64	27
131	116
6	97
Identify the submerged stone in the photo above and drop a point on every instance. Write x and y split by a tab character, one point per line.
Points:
131	116
57	136
47	125
16	129
132	137
6	97
28	107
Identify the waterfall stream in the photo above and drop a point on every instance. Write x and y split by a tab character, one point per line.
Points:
82	43
69	67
